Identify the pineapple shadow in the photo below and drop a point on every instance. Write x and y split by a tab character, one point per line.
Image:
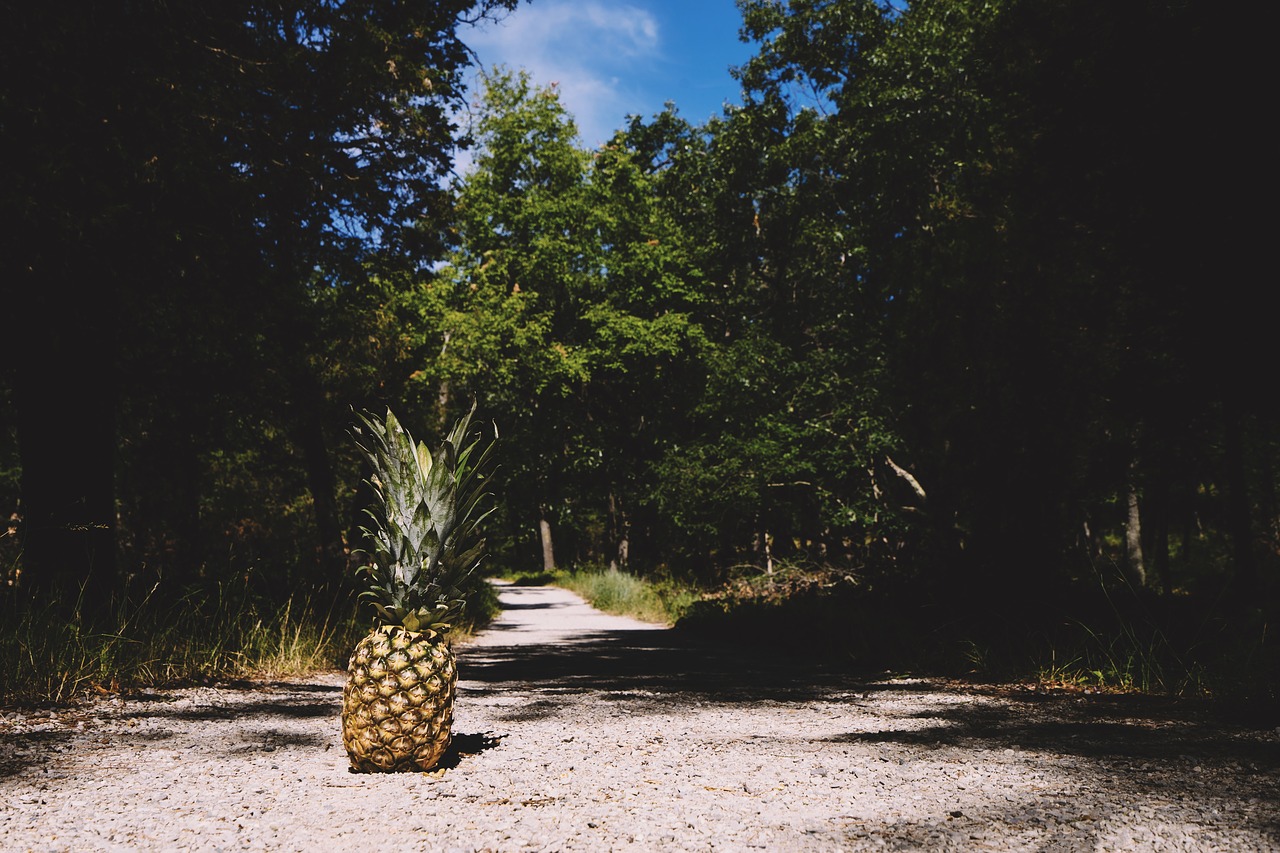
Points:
463	746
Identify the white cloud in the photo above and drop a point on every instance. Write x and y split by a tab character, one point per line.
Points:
592	50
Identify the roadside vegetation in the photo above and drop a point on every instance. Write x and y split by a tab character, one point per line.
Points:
229	632
204	635
1134	641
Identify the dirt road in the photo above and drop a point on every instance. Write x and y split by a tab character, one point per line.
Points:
580	731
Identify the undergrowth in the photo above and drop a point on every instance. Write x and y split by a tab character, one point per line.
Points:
50	653
222	632
1100	637
1107	639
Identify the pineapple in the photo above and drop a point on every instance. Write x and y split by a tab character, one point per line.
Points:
397	706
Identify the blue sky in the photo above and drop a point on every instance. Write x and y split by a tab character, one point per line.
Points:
612	58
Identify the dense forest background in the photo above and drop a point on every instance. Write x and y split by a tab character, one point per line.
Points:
961	310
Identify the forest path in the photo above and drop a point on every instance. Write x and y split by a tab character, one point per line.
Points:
580	731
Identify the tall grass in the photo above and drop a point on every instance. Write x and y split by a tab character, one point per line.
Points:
1123	658
219	632
48	653
622	594
1122	642
617	592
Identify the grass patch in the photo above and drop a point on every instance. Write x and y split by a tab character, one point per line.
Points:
1123	661
618	592
201	635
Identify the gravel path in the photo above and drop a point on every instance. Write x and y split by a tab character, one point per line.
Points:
580	731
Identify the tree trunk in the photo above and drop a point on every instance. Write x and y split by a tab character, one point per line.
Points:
160	504
1133	540
619	531
548	551
330	545
331	548
443	391
1267	509
296	325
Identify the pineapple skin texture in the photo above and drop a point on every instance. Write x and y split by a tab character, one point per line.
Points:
397	705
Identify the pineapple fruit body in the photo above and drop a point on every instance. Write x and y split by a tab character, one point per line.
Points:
397	706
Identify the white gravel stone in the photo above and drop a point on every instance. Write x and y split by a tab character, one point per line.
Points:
578	731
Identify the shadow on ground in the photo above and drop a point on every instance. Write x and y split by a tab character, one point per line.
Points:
1082	730
315	701
623	663
661	671
466	745
21	751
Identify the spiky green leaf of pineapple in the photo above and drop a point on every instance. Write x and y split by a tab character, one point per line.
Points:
398	703
425	531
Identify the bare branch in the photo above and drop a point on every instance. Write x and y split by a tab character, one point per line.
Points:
906	475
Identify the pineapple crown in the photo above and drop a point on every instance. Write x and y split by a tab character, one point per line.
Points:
425	532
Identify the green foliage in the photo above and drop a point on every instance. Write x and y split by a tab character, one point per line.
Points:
1027	275
567	301
425	537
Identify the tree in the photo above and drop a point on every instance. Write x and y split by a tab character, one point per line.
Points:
191	168
780	454
565	310
1034	210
